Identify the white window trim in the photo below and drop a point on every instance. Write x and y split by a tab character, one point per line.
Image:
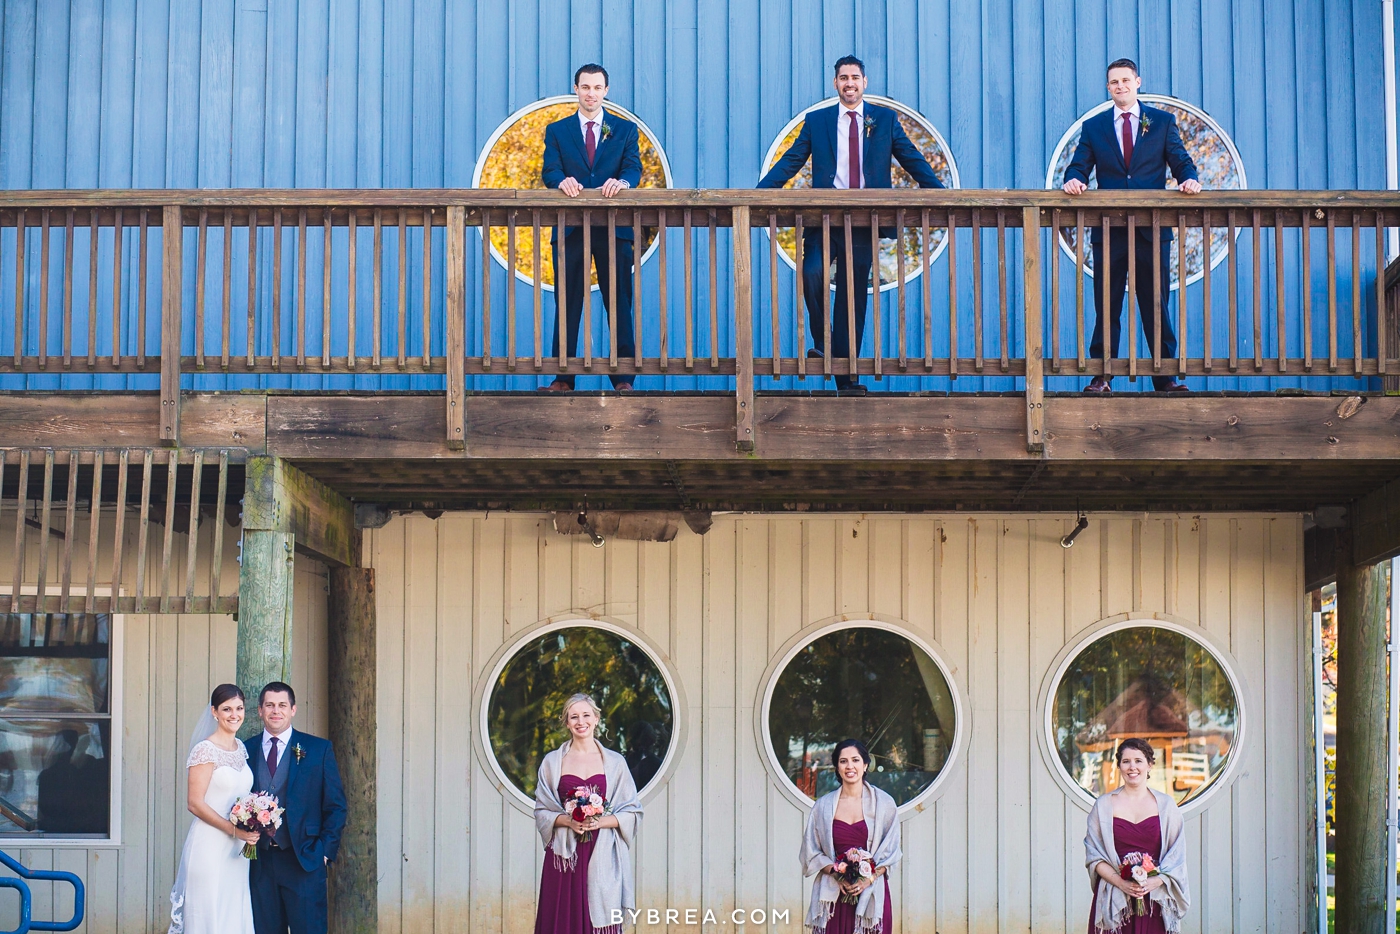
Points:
509	650
1239	751
962	729
114	753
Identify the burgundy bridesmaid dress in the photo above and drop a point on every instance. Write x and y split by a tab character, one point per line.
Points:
563	905
843	919
1143	837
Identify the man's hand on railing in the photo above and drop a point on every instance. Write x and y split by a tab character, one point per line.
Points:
1075	187
571	187
1190	187
613	185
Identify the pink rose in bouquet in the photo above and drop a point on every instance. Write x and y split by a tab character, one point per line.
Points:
856	865
585	802
256	813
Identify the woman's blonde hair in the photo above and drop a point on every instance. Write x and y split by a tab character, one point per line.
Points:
579	698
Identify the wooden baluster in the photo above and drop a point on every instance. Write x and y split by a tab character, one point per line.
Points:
1053	260
925	264
1381	349
252	287
224	312
1280	297
140	293
276	288
455	315
799	308
486	335
351	298
1003	300
21	236
171	321
21	497
561	295
70	517
714	292
428	286
67	321
92	288
977	290
201	254
216	561
1234	294
638	248
875	285
587	327
1080	362
826	294
327	263
301	290
743	327
664	335
1106	319
172	474
143	531
1331	292
1357	351
537	249
773	293
192	536
899	276
1256	265
1207	309
1131	289
952	298
1305	274
377	292
45	514
94	531
512	263
401	246
1181	293
1156	291
1035	345
851	336
612	290
44	290
116	290
119	532
689	293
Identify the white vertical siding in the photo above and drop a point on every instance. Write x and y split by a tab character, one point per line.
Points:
1000	850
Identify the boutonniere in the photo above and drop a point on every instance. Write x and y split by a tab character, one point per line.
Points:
1146	124
298	753
606	130
869	125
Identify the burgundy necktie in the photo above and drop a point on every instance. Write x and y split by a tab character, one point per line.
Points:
1128	140
272	760
853	142
590	144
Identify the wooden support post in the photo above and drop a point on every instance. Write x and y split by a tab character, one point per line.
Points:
1035	350
1361	811
743	329
354	898
455	314
171	312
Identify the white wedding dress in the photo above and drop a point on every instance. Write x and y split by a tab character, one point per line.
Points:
211	889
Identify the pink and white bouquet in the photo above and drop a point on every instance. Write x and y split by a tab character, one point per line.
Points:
854	866
1139	867
585	802
256	813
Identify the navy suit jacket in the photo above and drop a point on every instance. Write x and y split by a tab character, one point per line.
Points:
614	156
1157	146
314	799
885	140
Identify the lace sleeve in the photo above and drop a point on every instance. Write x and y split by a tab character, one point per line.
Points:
204	753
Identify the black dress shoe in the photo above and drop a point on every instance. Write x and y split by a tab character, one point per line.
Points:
1099	384
1175	385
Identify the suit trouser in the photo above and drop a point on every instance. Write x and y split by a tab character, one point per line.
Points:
814	292
575	292
286	896
1143	290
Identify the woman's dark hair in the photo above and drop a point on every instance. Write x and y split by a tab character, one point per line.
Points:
225	692
855	744
1140	745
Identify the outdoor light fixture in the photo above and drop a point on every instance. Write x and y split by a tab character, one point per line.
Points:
1081	525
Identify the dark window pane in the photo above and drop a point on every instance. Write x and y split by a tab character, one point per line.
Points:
873	685
1155	684
55	776
528	698
55	663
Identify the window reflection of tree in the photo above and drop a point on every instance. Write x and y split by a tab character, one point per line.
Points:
524	708
1155	684
867	683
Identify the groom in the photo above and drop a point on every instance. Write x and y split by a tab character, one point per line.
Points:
288	879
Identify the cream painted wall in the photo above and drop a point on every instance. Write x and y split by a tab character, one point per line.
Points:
1001	850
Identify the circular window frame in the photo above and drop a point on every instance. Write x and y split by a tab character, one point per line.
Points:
1158	100
509	649
770	155
962	709
1105	627
541	104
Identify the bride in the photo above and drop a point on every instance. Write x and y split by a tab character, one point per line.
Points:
211	888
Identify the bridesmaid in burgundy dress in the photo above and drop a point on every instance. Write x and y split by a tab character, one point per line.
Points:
1138	827
569	881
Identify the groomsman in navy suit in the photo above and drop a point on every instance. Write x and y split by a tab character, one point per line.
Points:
288	879
591	149
1131	146
850	145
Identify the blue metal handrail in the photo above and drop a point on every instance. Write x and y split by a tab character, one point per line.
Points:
26	899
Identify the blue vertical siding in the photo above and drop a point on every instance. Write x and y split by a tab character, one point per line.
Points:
403	93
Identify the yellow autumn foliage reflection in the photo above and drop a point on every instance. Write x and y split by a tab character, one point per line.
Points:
515	161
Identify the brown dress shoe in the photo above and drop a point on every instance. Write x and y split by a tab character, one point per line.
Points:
1175	385
558	385
622	387
1099	384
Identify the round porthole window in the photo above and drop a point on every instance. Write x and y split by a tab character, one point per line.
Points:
528	691
1150	682
872	683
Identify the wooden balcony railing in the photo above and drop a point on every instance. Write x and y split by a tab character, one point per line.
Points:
277	282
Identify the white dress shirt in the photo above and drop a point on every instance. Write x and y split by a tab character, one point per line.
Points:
843	135
282	741
1135	112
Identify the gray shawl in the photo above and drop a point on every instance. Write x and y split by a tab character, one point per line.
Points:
1172	899
818	852
609	868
